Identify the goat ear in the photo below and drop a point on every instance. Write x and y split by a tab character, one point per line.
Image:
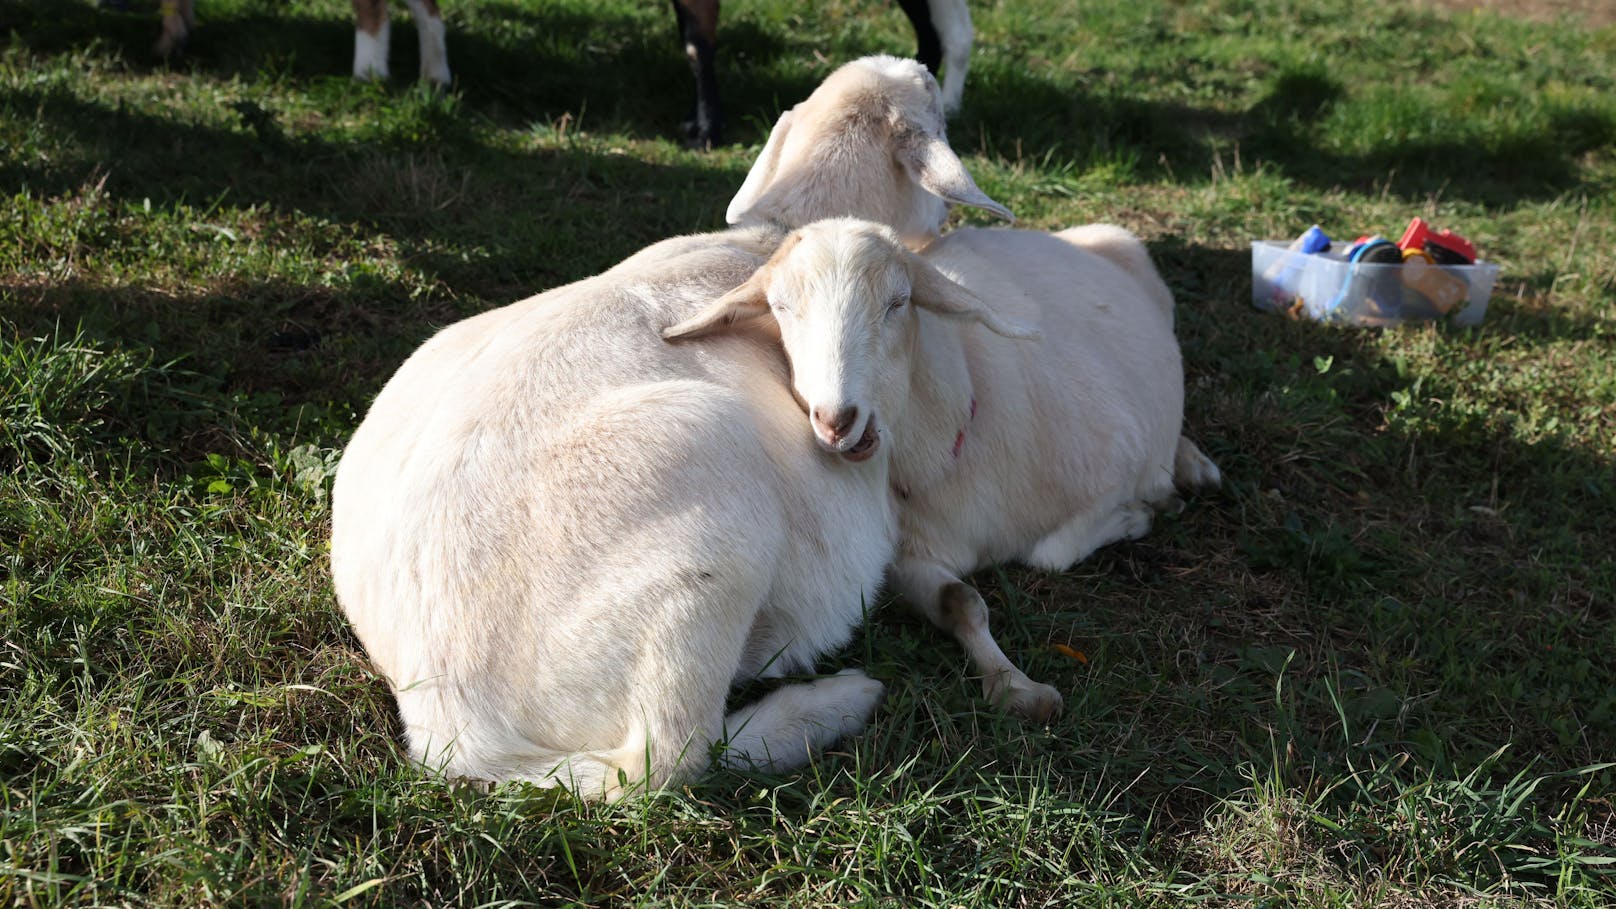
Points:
933	291
933	164
741	305
762	172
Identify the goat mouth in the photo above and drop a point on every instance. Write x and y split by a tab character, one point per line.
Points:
865	447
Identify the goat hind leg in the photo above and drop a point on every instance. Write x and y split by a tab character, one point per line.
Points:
179	16
952	19
930	44
698	29
371	33
1192	469
957	608
434	52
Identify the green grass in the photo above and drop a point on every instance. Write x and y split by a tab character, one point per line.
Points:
1378	669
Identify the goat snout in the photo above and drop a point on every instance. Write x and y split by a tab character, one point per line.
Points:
832	424
846	431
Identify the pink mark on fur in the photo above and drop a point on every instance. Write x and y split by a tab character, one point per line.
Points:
959	440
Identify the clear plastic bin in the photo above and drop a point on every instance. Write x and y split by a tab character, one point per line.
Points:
1327	288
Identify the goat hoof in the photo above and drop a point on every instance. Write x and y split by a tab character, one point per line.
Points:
701	136
170	48
1031	701
1135	520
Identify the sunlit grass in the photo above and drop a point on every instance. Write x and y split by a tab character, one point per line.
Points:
1375	670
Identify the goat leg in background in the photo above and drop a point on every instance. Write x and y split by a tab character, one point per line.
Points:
944	36
371	33
930	46
958	609
179	17
434	50
698	29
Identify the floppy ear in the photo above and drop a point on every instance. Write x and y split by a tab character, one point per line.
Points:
741	305
931	163
762	172
932	290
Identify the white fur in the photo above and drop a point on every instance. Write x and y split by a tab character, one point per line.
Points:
834	155
1016	270
370	52
434	52
562	539
952	19
178	18
1038	434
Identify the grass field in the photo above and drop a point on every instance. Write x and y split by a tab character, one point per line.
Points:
1377	669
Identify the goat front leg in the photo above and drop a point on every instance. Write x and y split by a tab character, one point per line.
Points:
953	22
371	34
179	16
956	607
698	29
434	52
944	34
930	44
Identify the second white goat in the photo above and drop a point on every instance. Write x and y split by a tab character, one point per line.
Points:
1049	434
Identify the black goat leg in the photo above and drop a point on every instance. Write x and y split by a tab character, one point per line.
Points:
698	29
930	52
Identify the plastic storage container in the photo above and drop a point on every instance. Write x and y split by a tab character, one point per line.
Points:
1327	288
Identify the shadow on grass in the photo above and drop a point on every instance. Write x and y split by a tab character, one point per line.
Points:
1442	580
1532	317
1182	142
1343	534
626	74
1357	484
514	66
1364	592
1378	585
208	370
491	222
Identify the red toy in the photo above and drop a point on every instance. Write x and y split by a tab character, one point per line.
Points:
1420	236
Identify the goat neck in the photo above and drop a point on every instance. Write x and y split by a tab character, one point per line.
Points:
828	186
942	403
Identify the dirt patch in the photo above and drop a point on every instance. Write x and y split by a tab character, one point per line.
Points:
1595	13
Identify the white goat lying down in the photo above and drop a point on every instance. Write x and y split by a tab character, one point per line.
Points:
1041	434
956	521
562	539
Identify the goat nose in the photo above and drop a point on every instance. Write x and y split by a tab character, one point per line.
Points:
836	423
